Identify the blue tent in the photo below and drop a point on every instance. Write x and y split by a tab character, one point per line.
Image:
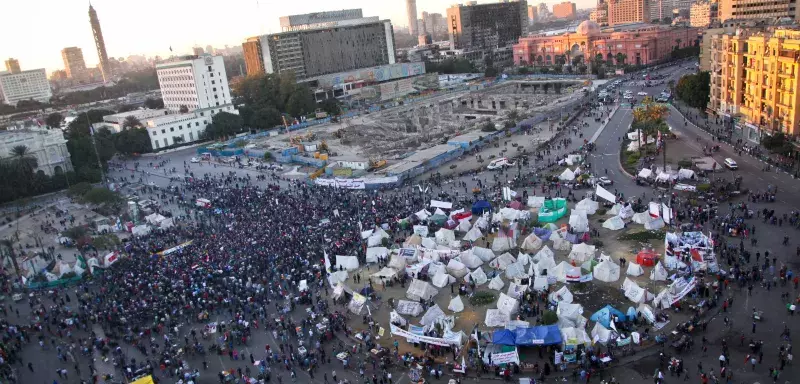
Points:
539	335
631	314
605	315
503	337
480	207
542	233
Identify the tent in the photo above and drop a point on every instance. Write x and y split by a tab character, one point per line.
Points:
503	261
646	257
575	336
496	283
635	293
439	219
565	272
414	240
659	273
457	268
578	221
538	335
507	304
464	225
515	270
626	212
349	263
685	173
374	253
503	243
510	214
441	279
606	271
421	230
615	223
569	311
535	201
542	233
540	283
484	254
445	236
524	258
544	253
397	262
429	243
395	318
477	276
602	334
647	313
456	305
481	206
421	290
552	210
531	243
645	173
473	234
561	295
654	224
634	269
561	244
496	318
588	205
385	274
641	218
504	337
567	175
469	259
582	252
431	315
409	308
544	263
607	314
614	211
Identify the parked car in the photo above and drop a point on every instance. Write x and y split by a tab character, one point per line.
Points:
195	160
731	164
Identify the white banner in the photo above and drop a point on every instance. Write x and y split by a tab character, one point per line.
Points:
341	183
399	332
654	209
604	193
505	357
666	213
441	204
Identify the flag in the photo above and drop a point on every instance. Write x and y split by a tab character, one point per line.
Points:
170	48
91	129
696	255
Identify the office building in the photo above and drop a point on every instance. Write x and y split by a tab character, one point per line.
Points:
12	65
411	12
543	12
729	26
343	46
703	13
73	62
533	14
196	83
318	19
754	80
750	9
600	14
564	10
637	44
198	51
628	11
665	10
487	26
100	44
434	23
48	146
25	85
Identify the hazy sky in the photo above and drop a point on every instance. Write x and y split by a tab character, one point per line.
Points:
35	31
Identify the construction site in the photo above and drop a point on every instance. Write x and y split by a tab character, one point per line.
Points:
423	127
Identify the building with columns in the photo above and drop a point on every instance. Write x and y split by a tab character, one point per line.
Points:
639	44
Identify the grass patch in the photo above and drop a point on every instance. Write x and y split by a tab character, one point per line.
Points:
601	211
642	236
685	163
549	318
704	187
483	298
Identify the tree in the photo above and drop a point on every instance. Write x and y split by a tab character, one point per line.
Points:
265	118
183	109
101	195
300	102
131	122
22	159
154	103
648	120
54	120
226	124
8	245
621	59
133	141
331	106
694	89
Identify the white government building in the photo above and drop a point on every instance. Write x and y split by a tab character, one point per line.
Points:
48	146
25	85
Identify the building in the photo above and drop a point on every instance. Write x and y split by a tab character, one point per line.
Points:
750	9
209	49
376	84
639	44
533	14
25	85
196	83
197	51
729	26
48	146
12	65
664	10
486	26
543	12
73	62
318	19
600	14
754	80
434	23
115	123
628	11
100	44
564	10
345	45
411	12
182	128
424	39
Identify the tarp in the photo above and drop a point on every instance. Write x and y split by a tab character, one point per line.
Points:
477	276
457	268
496	283
531	243
578	221
588	205
582	252
441	204
606	314
605	194
374	253
385	274
481	206
615	223
538	335
567	175
659	273
469	259
575	336
646	257
349	263
634	269
552	210
409	308
504	337
542	233
420	290
456	305
496	318
606	271
473	234
645	173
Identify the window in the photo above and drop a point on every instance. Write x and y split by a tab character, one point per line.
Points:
212	74
180	127
163	131
217	102
201	114
209	68
196	124
214	89
191	136
166	143
213	82
172	129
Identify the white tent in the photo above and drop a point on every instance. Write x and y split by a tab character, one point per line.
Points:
654	224
540	283
337	277
672	262
615	223
560	244
409	308
420	290
385	274
645	173
374	253
484	254
626	212
434	267
421	230
647	312
478	276
561	295
614	211
445	236
524	258
535	201
574	335
567	175
503	243
641	217
439	211
545	262
397	262
606	271
507	304
496	283
414	240
601	334
515	270
564	272
634	292
509	214
659	273
503	261
464	225
374	240
428	242
441	280
431	315
349	263
457	268
483	221
473	234
582	252
588	205
469	259
456	305
634	269
685	173
395	318
569	310
516	290
531	243
578	220
496	318
544	253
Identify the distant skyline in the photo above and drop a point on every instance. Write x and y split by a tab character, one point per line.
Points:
37	30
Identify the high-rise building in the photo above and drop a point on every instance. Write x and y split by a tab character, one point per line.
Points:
197	51
209	49
543	12
628	11
102	55
434	23
600	14
421	27
196	83
343	45
486	26
665	9
25	85
703	13
411	12
73	62
318	19
12	65
749	9
533	14
564	10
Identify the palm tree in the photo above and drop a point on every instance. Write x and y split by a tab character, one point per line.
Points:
22	159
678	43
131	122
621	58
9	252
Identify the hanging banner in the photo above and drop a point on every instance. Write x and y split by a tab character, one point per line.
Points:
505	357
399	332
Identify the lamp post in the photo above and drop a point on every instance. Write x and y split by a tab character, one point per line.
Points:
94	144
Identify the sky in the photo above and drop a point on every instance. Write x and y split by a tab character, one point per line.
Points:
35	31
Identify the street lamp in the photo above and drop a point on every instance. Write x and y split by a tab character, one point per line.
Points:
94	144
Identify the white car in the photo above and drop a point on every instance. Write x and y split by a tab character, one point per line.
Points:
500	163
628	97
604	181
642	93
195	160
731	164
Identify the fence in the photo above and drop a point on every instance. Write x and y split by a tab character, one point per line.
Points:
61	283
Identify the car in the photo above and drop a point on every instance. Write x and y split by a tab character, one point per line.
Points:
628	97
500	163
642	93
605	181
195	160
731	164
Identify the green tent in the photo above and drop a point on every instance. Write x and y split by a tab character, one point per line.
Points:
438	219
552	210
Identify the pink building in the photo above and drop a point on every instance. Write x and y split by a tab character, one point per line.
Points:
638	44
